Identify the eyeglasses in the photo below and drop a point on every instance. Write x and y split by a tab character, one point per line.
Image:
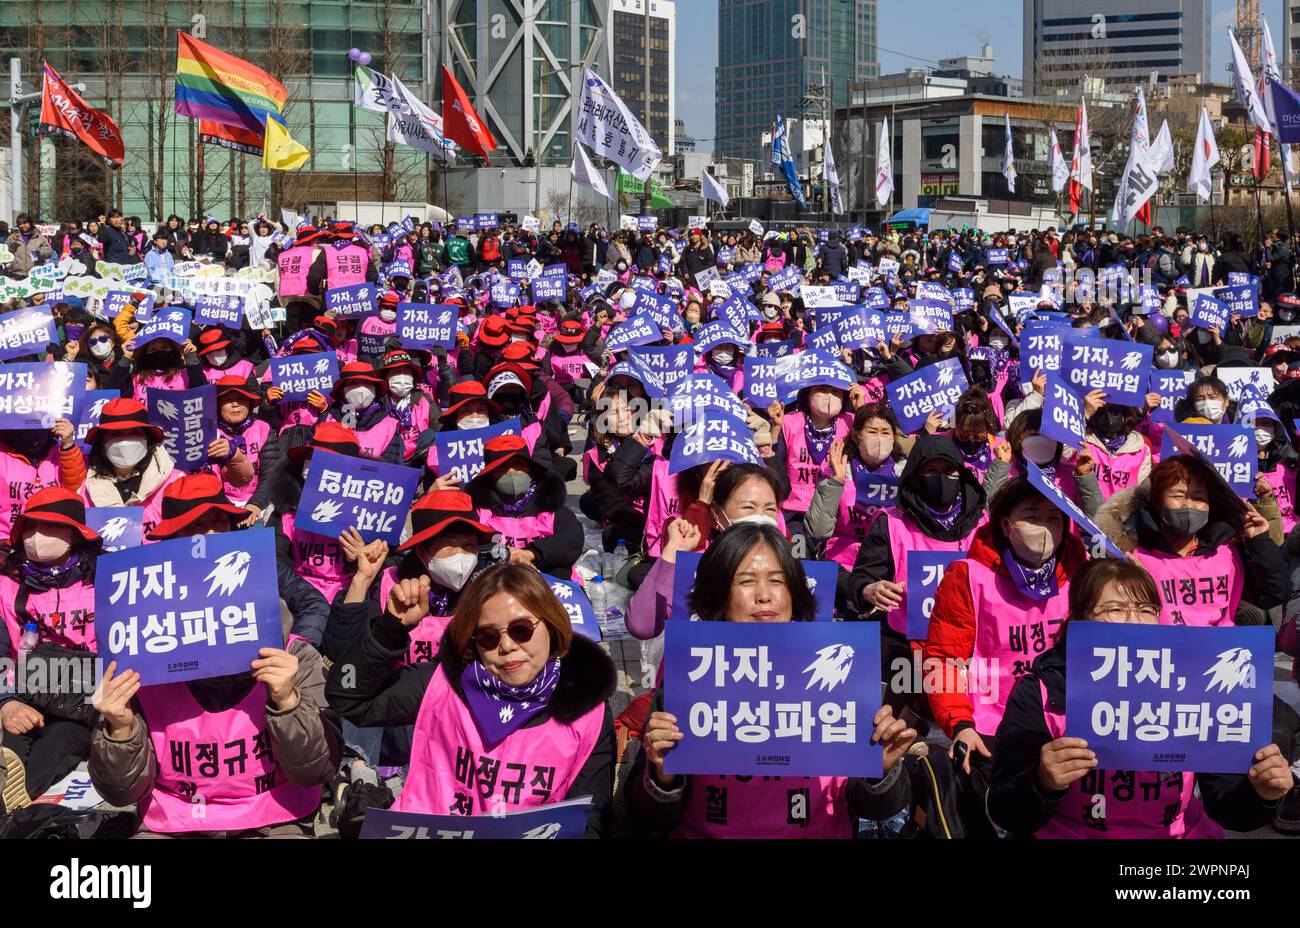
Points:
1117	612
99	339
520	632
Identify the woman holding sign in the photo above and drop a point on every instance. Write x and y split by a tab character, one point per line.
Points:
128	465
407	402
820	419
47	601
995	611
510	714
1045	784
359	403
1195	537
755	578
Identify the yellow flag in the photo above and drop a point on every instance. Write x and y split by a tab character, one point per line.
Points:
279	151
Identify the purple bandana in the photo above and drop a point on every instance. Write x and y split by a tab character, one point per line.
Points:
401	409
234	434
1114	444
519	505
818	440
39	577
1036	583
500	708
977	460
947	518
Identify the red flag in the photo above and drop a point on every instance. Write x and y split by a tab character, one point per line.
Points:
235	138
460	123
63	112
1144	214
1260	165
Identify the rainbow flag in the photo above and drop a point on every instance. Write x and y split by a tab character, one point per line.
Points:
213	85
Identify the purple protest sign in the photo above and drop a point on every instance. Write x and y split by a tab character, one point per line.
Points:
811	368
171	324
219	309
662	310
517	269
1122	370
786	280
116	301
662	367
861	329
775	349
1063	418
301	374
873	492
716	438
26	331
119	527
956	264
36	395
1169	698
550	287
189	608
875	298
924	571
820	576
88	414
426	325
727	685
929	316
996	257
1206	311
505	294
638	330
1172	387
353	302
760	381
1242	300
1239	279
555	821
188	419
824	340
460	451
1231	449
935	387
1076	515
342	492
574	599
898	324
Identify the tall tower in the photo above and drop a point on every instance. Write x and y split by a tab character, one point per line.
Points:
1248	30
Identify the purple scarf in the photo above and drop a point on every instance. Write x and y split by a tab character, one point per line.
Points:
519	505
1114	444
39	577
401	410
235	434
977	460
499	708
947	518
1036	583
818	440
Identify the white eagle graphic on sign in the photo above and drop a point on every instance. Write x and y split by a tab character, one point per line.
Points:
229	573
1234	668
830	668
168	410
327	510
113	528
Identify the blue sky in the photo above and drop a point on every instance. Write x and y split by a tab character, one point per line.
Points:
911	35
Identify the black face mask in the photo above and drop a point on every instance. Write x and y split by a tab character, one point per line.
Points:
1109	423
159	360
31	443
939	490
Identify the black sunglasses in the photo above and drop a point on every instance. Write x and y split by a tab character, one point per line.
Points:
520	632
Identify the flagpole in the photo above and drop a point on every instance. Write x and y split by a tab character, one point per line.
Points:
1259	213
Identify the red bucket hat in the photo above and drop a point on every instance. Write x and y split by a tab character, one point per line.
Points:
123	415
308	344
307	234
500	451
466	392
439	510
329	436
343	229
213	340
570	332
359	372
53	506
188	500
396	360
233	383
494	332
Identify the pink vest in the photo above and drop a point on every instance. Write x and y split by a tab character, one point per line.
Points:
419	424
453	772
140	385
905	535
518	532
21	480
374	440
66	617
1116	472
875	388
254	441
1125	803
804	472
851	526
765	807
295	263
664	505
426	636
243	369
223	759
569	367
296	413
532	432
317	559
1283	481
345	266
544	408
1010	632
1200	590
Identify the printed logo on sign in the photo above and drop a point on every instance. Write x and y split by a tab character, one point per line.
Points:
230	572
113	529
103	881
1234	668
830	668
326	511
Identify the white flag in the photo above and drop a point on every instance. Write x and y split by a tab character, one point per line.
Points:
1009	158
374	91
884	165
1139	181
1081	160
608	128
710	189
1272	74
1056	165
412	123
1162	150
585	173
1204	157
833	181
1245	85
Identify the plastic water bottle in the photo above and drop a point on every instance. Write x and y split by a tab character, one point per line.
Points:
30	638
620	559
596	593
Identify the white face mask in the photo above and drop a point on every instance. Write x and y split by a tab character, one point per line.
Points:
473	422
1039	448
126	452
360	397
1263	437
451	572
101	350
758	519
218	358
1210	409
724	356
44	548
401	385
1167	360
388	315
1034	543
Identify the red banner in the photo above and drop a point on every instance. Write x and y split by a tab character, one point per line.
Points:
63	112
234	138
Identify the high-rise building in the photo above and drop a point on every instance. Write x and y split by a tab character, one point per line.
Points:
1290	50
636	25
682	139
125	54
771	52
1120	41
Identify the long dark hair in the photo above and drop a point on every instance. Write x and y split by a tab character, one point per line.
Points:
723	558
100	465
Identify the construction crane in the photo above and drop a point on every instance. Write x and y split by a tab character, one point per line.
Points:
1248	30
